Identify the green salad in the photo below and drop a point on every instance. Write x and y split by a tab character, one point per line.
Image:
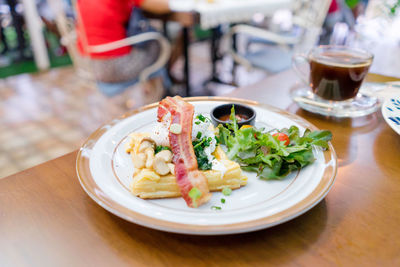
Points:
272	155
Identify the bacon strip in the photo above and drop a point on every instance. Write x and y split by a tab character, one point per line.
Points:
187	173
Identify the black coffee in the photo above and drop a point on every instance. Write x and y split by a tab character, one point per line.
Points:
337	75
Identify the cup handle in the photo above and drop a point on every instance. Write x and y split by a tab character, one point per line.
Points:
297	59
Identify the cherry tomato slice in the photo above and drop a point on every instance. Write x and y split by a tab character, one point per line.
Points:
282	137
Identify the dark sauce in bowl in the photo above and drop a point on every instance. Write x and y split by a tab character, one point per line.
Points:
239	117
245	115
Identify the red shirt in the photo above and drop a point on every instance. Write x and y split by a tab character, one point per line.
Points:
333	7
104	21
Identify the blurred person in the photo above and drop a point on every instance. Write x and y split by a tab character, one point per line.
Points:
18	22
3	39
340	20
105	21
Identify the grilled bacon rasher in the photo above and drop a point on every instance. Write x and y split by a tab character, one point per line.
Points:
188	177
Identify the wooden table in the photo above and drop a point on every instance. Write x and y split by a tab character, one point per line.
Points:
46	219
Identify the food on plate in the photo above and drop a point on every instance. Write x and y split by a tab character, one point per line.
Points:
158	180
181	157
271	155
185	155
282	137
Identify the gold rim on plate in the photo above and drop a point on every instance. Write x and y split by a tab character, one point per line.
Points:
96	193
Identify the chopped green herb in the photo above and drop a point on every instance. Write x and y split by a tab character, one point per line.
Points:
197	122
217	140
201	118
200	143
161	148
227	191
393	9
198	136
202	159
216	208
194	194
223	200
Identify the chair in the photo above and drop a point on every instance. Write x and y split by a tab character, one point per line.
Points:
307	19
83	64
111	89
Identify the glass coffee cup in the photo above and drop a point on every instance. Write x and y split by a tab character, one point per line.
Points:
335	76
336	72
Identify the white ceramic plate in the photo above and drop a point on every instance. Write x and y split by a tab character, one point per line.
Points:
105	171
391	112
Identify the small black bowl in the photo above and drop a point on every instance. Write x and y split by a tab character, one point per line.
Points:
225	109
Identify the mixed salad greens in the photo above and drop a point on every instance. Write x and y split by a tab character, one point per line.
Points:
271	155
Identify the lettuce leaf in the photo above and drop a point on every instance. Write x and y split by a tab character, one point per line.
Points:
259	151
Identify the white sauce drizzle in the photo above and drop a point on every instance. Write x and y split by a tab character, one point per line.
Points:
160	131
218	166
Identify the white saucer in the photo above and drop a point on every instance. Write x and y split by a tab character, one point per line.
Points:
361	105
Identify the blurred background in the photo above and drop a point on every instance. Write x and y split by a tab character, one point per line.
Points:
67	67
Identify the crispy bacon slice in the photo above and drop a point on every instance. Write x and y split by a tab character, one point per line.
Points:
187	173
